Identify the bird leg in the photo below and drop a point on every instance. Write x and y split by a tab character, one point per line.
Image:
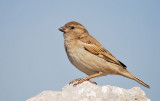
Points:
92	82
79	81
75	80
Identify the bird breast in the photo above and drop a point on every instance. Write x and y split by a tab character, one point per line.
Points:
85	61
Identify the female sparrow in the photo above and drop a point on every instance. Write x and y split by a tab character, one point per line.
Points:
89	56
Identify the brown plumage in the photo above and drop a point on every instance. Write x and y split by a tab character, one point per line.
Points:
89	56
99	50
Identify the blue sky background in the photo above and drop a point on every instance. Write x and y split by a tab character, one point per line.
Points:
32	55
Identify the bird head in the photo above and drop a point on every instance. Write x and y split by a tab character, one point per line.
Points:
73	29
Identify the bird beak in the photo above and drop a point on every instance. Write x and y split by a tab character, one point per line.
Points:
62	29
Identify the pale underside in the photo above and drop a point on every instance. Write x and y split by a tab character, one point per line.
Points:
88	62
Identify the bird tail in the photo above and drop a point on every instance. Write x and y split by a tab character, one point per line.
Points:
127	74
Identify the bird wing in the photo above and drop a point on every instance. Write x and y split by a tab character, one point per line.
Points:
94	47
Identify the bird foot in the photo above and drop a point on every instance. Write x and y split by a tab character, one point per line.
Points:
75	80
79	81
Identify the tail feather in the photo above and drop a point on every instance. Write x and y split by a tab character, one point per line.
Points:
131	76
141	82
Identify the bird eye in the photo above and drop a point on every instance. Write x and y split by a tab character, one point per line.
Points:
72	27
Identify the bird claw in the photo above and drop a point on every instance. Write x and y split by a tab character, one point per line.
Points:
79	81
75	80
92	82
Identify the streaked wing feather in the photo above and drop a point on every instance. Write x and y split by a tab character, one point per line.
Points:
94	47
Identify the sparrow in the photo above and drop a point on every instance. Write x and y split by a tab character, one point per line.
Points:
89	56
